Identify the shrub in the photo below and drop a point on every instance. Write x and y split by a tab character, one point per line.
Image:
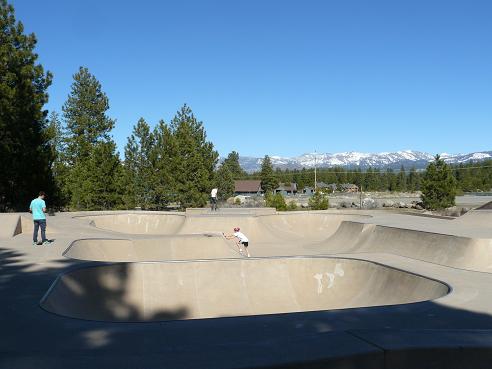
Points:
292	206
318	201
276	201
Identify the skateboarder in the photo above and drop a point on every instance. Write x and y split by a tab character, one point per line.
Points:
38	210
213	199
241	240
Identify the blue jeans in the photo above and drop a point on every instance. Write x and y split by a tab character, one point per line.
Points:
37	224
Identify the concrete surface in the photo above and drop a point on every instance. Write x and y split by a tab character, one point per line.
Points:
190	290
389	310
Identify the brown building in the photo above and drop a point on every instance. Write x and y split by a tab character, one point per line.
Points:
349	187
247	187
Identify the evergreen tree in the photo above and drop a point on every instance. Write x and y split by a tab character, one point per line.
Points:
24	150
372	180
164	156
269	180
193	159
224	181
390	180
232	162
100	190
90	150
139	165
85	115
438	185
318	201
401	180
413	180
56	140
276	201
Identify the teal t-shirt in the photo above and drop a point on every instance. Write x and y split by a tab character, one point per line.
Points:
37	206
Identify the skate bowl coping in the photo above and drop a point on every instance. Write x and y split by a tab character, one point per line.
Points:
183	247
140	292
135	223
301	227
231	211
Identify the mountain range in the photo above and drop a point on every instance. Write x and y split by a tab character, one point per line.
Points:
394	160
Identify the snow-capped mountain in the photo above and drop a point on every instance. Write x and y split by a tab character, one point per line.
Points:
395	160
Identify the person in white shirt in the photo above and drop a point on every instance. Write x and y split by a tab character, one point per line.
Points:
242	241
213	199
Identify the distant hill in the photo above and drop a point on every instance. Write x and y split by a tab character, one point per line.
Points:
394	160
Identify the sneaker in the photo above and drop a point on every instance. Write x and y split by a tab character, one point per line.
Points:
34	243
47	242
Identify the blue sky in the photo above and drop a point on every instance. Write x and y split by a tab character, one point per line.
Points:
283	77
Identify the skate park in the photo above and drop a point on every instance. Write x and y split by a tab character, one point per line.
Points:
322	289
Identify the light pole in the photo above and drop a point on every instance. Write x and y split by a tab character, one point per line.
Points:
315	181
360	195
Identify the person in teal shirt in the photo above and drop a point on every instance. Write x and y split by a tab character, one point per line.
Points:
38	210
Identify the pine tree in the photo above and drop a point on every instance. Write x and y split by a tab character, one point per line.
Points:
90	151
413	180
102	170
85	115
372	180
224	181
276	201
318	201
390	180
401	180
269	180
438	185
139	164
193	159
232	162
24	151
57	143
164	155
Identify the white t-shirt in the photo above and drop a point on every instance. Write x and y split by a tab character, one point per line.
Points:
241	237
213	193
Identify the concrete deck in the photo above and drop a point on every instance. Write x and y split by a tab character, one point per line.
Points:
401	317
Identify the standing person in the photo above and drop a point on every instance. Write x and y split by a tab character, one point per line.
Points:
38	210
241	240
213	199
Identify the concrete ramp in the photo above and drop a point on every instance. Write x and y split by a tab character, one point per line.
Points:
238	287
131	223
448	250
219	224
346	237
476	218
293	227
304	227
10	225
204	246
27	226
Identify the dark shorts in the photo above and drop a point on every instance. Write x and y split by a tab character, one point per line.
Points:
213	200
245	244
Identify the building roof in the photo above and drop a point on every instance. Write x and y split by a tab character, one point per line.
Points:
326	185
292	187
247	185
348	185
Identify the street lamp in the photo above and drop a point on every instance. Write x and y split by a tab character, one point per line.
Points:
315	181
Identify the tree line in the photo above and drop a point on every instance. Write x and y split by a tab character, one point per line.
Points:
172	164
470	177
